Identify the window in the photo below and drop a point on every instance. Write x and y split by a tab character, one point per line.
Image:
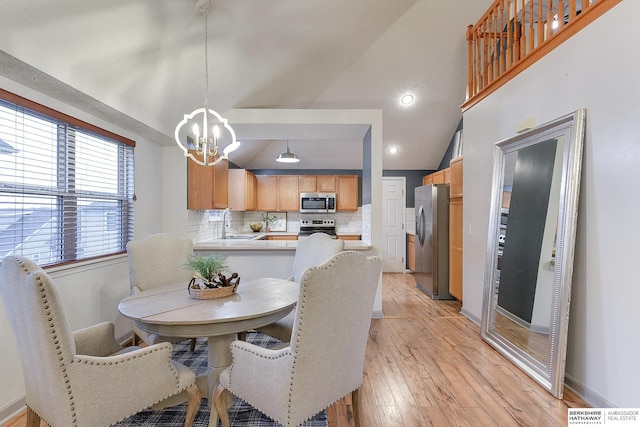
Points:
66	187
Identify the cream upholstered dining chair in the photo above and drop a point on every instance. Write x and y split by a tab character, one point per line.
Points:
325	359
82	378
310	251
156	261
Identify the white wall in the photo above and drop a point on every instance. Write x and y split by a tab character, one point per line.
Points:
90	292
596	69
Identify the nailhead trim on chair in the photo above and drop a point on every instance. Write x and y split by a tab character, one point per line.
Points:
45	304
301	307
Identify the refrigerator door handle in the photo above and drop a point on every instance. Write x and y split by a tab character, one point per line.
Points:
420	225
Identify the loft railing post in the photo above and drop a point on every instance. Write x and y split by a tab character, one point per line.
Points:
540	24
497	44
532	32
470	89
560	14
509	36
486	63
549	19
572	10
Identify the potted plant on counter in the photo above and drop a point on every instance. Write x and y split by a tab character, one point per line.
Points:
268	220
208	281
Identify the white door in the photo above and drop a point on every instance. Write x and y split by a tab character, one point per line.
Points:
393	232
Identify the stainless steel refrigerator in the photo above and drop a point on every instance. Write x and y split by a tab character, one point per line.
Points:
432	240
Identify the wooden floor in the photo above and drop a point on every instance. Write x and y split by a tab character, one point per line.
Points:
426	365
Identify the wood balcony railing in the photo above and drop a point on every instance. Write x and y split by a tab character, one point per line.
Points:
513	34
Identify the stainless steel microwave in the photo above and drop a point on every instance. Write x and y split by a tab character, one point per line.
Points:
317	202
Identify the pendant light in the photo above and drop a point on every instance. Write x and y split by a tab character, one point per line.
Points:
287	156
201	132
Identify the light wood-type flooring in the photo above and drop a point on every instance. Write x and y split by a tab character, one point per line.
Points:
426	365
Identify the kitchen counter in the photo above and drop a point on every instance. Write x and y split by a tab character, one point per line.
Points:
267	245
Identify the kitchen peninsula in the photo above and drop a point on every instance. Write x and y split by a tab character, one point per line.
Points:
254	258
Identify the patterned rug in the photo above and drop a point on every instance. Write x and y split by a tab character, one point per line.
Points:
240	415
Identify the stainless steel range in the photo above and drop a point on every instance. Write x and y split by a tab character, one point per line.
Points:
310	226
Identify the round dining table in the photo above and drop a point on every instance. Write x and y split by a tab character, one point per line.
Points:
169	310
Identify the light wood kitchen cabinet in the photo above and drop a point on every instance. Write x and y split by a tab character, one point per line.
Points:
455	247
326	183
456	203
443	176
288	194
438	177
267	192
276	237
243	195
411	251
455	189
349	237
317	183
307	183
347	192
278	193
207	187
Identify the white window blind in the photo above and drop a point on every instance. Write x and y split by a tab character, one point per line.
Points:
66	193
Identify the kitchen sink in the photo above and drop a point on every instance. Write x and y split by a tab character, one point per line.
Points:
236	238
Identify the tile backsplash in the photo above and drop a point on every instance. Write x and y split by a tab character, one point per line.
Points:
201	228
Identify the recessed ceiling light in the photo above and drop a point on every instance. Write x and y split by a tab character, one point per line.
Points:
393	150
407	99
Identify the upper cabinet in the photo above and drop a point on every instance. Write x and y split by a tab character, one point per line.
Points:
327	183
442	176
456	178
207	187
288	194
347	192
307	183
267	192
218	187
243	194
317	183
278	193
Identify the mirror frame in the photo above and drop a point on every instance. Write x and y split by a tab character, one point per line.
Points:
572	127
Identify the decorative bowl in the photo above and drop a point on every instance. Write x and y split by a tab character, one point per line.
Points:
256	226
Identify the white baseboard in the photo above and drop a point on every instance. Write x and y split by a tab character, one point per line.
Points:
470	316
377	314
12	409
586	394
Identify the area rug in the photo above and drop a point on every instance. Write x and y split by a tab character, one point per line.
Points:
240	415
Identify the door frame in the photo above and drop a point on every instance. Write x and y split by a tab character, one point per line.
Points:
402	181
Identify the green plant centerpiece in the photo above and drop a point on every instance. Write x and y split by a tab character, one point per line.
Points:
268	220
208	281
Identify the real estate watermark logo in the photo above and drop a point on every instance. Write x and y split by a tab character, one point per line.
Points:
604	416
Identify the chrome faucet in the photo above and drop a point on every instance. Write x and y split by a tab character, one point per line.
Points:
224	221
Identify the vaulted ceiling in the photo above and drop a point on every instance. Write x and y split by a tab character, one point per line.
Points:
140	65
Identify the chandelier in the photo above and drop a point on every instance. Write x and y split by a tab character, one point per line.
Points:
202	132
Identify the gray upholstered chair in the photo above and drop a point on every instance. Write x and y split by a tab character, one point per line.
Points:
325	359
156	261
82	378
310	251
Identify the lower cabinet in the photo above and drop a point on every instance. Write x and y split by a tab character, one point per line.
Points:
272	237
455	248
411	251
349	237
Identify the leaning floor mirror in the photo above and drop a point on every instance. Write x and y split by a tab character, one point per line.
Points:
530	247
